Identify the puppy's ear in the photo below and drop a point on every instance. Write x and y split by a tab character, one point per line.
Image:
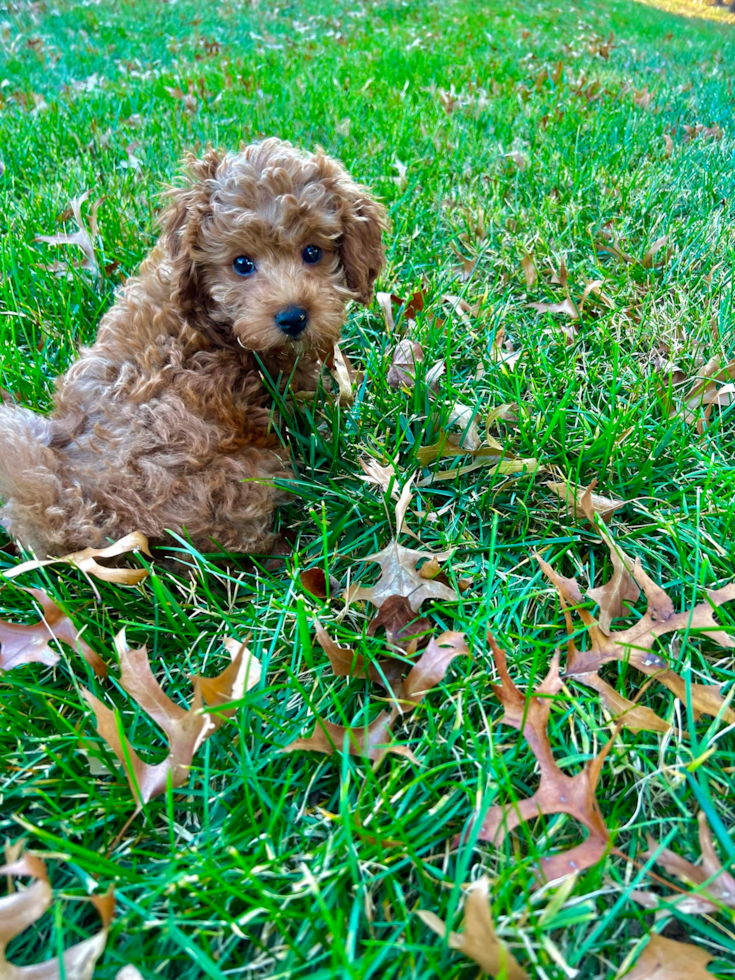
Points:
361	246
181	221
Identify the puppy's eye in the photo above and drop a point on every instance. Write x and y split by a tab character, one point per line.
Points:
243	266
312	254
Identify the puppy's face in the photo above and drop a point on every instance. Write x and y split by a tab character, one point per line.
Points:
272	243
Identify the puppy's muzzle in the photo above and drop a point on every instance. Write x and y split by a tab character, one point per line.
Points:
292	320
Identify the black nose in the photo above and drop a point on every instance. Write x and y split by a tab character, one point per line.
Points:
292	320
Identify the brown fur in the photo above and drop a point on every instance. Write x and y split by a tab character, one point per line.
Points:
164	423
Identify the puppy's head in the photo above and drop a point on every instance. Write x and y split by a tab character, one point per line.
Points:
270	243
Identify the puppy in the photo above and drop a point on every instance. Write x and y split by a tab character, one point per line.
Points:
164	424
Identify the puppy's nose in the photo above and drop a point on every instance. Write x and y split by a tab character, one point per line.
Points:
292	320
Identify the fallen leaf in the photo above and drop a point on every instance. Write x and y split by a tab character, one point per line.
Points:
634	645
517	159
666	959
402	370
479	941
86	562
643	98
385	302
557	792
399	575
20	909
669	144
344	375
572	495
502	350
715	886
460	306
706	393
186	728
315	582
375	739
22	643
384	477
529	270
566	306
82	238
242	675
506	467
636	717
621	587
402	627
648	259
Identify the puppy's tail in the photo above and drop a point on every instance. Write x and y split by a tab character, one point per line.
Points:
36	502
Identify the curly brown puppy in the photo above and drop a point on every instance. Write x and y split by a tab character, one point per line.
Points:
164	424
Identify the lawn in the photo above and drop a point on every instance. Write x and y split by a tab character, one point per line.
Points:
494	133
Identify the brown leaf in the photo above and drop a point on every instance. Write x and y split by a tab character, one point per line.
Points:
666	959
402	370
636	717
431	668
706	392
20	909
374	741
242	675
643	98
621	587
479	940
82	238
648	259
85	561
715	886
567	307
529	270
402	627
314	581
573	495
669	144
381	476
557	792
29	643
385	302
186	728
400	577
506	467
634	645
345	376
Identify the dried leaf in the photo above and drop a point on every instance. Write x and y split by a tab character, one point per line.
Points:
567	307
431	668
82	238
666	959
85	561
374	741
464	417
557	792
636	717
402	627
621	587
529	270
706	392
648	259
669	144
29	643
381	476
634	645
186	728
460	306
479	940
402	370
385	302
715	886
572	494
341	371
242	675
20	909
506	467
314	581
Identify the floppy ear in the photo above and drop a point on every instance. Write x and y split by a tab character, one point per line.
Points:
189	205
361	247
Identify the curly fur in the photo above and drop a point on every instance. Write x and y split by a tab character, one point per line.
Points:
164	423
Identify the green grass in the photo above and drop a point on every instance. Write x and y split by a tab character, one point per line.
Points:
258	867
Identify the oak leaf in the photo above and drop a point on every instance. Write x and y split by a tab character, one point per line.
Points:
715	885
315	582
479	941
20	909
399	575
666	959
402	370
402	627
22	643
578	499
566	306
344	375
186	728
83	239
375	740
529	270
384	477
634	645
86	561
557	792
